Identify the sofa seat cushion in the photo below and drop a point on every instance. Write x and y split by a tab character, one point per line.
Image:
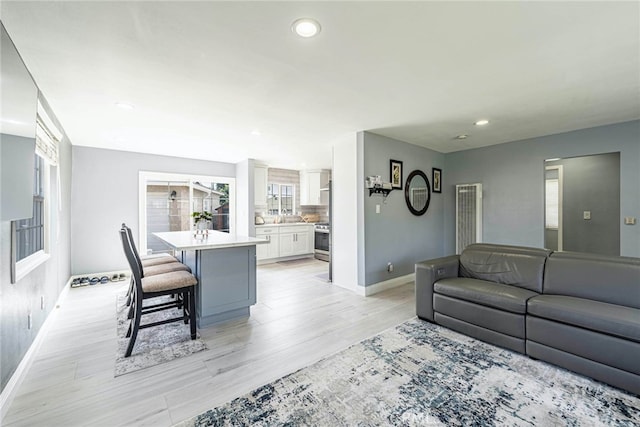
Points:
496	295
612	319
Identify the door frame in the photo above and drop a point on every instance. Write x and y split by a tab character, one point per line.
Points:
560	202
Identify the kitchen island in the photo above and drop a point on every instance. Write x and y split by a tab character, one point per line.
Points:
225	265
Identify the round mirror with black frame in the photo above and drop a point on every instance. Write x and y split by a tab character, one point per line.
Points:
417	192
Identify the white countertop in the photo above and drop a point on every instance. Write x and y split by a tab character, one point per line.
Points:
185	240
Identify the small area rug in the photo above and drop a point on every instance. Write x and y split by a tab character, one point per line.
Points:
155	345
419	374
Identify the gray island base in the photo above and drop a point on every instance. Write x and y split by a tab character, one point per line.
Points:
225	265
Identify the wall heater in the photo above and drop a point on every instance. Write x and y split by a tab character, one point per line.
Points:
468	215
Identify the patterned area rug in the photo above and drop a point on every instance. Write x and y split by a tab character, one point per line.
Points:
155	345
419	374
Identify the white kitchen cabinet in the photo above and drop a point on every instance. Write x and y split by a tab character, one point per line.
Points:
285	241
311	184
295	240
271	249
301	243
260	184
286	244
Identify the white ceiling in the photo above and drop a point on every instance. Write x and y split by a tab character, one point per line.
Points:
204	75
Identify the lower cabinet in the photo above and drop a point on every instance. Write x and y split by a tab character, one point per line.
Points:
271	249
285	241
286	244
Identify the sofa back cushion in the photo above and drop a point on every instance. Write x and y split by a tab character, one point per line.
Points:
511	265
611	279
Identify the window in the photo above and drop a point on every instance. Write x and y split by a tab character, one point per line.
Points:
280	199
29	236
30	232
169	201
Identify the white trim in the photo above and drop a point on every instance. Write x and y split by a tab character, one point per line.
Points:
560	202
30	263
383	286
8	393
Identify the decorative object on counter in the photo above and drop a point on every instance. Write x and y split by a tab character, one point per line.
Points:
311	218
417	192
259	220
201	221
436	179
395	173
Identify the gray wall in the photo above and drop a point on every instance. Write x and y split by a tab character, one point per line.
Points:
47	280
105	194
512	175
396	235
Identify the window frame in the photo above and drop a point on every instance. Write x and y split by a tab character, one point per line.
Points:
21	268
279	197
146	176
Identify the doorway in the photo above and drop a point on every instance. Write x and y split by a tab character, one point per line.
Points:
588	198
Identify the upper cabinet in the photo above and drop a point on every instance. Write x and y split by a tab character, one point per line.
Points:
313	186
260	188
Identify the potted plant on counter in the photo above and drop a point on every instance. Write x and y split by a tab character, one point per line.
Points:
201	221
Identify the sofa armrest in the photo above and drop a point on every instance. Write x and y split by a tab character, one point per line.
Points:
427	273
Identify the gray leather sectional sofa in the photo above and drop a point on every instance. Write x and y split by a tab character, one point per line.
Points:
577	311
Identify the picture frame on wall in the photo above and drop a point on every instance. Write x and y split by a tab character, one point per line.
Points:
395	173
436	179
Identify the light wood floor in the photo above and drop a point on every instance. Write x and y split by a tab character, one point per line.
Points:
299	319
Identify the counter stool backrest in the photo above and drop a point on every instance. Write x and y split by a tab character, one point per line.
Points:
133	248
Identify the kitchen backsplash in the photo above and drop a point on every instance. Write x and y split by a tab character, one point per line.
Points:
322	211
288	176
308	214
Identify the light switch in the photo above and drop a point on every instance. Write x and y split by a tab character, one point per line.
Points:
586	215
377	208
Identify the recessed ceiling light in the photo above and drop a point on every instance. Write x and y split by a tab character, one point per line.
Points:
463	136
306	27
124	106
255	132
481	122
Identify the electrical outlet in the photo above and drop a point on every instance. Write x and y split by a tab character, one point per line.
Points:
629	220
586	215
390	267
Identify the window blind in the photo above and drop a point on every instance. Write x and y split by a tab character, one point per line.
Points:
48	137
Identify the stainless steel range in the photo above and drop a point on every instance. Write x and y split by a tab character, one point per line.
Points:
323	241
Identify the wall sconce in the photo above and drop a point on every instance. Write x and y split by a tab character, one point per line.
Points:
173	196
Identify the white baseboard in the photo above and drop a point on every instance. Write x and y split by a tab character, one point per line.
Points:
383	286
8	393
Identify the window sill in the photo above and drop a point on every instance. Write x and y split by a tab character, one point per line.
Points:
30	263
